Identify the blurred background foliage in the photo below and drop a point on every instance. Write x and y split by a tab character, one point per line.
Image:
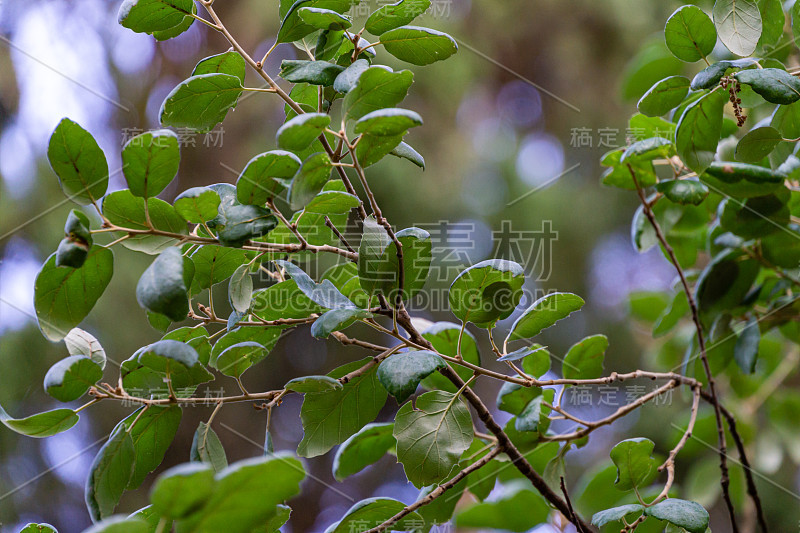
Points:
539	89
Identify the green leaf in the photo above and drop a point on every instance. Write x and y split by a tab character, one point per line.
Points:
741	180
332	202
324	19
64	296
293	27
120	524
684	192
431	436
724	283
689	515
234	360
80	342
149	16
79	162
38	528
150	162
487	292
543	313
307	384
152	433
184	25
388	122
70	378
207	448
182	490
309	180
324	294
647	150
405	151
665	95
215	264
746	349
710	76
757	144
535	415
373	148
738	24
391	16
110	473
349	76
374	511
755	216
774	85
513	398
782	248
336	320
329	418
264	176
690	34
247	493
444	338
615	514
537	362
163	286
240	289
71	253
168	355
584	360
313	72
197	205
773	20
362	449
40	425
230	62
699	130
283	300
634	462
418	46
125	210
298	133
376	88
238	224
516	509
201	102
401	373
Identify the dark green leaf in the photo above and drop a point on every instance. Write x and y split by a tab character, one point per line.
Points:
724	283
543	313
182	490
689	515
699	130
149	16
152	433
163	286
167	356
40	425
418	46
431	436
665	95
375	511
362	449
684	192
746	350
70	378
110	473
349	76
293	27
391	16
64	296
634	461
198	204
234	360
264	176
336	320
207	448
690	34
516	509
584	360
225	63
307	384
376	88
310	179
388	122
79	162
401	374
710	76
741	180
313	72
513	398
329	418
534	417
201	102
240	289
757	144
774	85
324	19
215	264
150	162
487	292
444	338
615	514
647	150
125	210
298	133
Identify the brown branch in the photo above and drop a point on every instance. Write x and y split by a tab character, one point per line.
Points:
573	517
723	461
